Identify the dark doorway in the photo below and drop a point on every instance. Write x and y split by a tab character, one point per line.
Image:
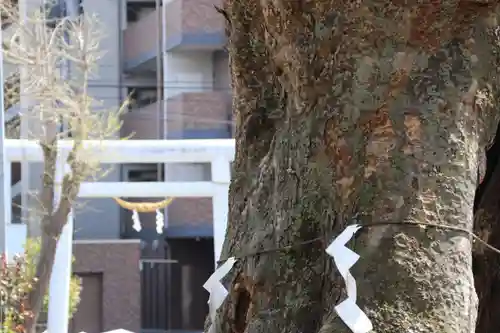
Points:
172	291
188	299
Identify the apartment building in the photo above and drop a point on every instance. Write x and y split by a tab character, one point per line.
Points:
183	41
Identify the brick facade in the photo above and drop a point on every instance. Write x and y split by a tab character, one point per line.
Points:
188	111
118	262
191	211
193	17
199	111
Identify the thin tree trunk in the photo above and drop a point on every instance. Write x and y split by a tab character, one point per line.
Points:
52	226
44	271
348	115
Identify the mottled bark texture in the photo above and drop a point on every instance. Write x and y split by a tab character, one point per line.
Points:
377	109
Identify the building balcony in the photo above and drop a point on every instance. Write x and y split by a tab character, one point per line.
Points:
194	25
141	122
190	115
140	44
191	25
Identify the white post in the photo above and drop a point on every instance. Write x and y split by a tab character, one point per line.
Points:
14	243
221	176
59	288
24	107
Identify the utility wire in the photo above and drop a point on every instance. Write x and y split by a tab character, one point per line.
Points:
322	240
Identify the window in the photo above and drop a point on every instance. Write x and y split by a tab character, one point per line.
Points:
142	96
143	173
137	10
80	7
172	297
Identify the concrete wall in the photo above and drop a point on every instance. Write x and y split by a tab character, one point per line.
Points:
137	45
222	75
100	218
188	72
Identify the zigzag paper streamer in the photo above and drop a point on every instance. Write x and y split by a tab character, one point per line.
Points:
160	224
344	259
136	222
218	292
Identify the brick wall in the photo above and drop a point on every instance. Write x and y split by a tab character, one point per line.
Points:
194	211
186	111
118	262
199	110
193	16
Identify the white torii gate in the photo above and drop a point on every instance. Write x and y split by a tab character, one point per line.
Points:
219	153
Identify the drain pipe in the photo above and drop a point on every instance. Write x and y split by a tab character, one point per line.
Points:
159	75
162	135
121	61
168	250
164	88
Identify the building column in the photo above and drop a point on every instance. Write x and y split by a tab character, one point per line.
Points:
59	287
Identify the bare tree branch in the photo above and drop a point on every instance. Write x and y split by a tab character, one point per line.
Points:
47	195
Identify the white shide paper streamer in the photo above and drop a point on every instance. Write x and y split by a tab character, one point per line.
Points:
160	221
136	222
344	259
218	292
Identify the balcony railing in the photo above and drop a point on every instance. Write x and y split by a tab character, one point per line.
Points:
141	42
191	25
190	115
141	123
194	25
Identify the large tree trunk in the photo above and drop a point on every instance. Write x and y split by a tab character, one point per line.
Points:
486	264
375	111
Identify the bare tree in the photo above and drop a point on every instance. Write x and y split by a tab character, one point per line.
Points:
362	112
40	46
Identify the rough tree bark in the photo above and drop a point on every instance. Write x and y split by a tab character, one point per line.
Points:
375	109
